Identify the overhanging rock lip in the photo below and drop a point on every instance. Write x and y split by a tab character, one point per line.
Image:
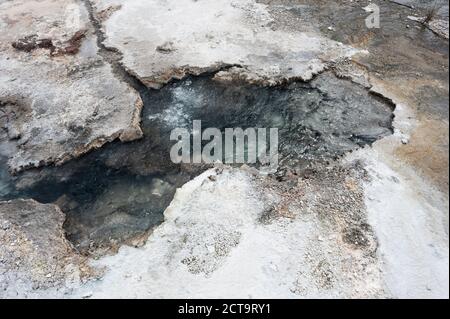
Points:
132	133
265	56
71	109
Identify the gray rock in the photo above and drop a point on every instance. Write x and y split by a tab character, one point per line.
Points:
62	114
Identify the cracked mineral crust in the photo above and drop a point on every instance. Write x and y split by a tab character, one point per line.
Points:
171	39
58	97
260	240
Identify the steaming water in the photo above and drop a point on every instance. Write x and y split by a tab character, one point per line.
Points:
122	190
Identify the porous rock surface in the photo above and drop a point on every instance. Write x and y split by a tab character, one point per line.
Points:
34	253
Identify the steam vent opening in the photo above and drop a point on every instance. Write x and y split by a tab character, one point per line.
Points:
117	194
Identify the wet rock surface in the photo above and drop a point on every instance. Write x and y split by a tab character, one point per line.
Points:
407	63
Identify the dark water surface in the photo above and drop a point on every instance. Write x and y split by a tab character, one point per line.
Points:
122	190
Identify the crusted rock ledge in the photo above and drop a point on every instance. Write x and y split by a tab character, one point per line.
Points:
59	98
176	38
